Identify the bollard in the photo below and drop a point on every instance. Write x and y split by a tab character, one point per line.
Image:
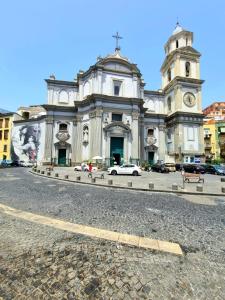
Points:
174	187
93	180
42	172
66	176
129	184
56	174
48	173
151	186
222	179
199	188
110	182
223	189
78	178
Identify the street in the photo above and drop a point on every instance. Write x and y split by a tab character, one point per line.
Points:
86	268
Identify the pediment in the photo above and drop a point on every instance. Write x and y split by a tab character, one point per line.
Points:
117	127
117	66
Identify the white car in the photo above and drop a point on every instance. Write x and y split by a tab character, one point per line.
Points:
26	164
126	169
85	168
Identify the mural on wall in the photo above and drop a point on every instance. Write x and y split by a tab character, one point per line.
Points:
25	142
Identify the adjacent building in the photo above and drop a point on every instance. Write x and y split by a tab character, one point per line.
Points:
6	122
106	111
214	131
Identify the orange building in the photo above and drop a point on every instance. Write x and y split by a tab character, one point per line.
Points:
216	111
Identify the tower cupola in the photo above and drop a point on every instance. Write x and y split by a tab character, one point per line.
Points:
179	38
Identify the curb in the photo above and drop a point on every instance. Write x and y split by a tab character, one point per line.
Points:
129	188
93	232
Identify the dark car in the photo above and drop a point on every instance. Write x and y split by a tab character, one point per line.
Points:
192	168
161	168
214	169
178	167
14	163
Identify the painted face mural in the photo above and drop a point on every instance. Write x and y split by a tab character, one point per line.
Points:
25	142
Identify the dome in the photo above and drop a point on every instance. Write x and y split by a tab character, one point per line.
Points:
177	29
118	55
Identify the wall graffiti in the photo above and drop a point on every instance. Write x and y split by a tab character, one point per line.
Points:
25	142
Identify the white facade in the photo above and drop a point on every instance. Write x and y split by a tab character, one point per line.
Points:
106	112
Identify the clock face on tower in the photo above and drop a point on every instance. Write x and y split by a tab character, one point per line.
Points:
189	99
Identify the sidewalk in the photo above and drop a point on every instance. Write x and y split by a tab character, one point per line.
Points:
162	182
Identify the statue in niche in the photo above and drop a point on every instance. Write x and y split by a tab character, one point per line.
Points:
85	134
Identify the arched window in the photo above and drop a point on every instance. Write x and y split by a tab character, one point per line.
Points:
187	68
177	44
169	103
169	75
62	127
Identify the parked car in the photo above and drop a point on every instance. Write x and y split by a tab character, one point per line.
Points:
179	166
85	168
193	168
171	167
126	169
161	168
14	163
26	164
214	169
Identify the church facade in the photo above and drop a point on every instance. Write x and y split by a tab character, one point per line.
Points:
106	112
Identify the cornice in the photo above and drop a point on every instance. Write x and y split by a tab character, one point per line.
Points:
178	79
61	82
156	93
30	120
184	118
183	51
106	98
51	107
155	116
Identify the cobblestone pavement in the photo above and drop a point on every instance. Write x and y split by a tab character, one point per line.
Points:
40	262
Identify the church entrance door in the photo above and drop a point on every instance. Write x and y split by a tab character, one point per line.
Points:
151	157
62	157
116	150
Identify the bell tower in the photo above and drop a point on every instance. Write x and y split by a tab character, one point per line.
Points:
181	73
181	85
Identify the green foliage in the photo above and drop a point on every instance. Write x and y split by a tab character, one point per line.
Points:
217	161
145	165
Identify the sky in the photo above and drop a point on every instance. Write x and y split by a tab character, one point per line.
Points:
61	37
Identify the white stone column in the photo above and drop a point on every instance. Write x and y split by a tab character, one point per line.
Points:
77	156
48	153
135	136
74	142
162	143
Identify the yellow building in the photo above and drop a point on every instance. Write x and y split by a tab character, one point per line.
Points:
6	120
214	140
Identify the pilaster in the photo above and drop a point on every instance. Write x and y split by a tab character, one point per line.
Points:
135	136
48	153
162	142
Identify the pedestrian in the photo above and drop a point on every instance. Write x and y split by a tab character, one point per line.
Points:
90	167
83	167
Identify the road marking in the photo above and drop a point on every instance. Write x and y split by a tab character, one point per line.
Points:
137	241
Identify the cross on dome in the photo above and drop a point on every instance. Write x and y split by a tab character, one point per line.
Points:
117	37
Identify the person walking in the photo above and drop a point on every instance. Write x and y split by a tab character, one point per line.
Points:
90	167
